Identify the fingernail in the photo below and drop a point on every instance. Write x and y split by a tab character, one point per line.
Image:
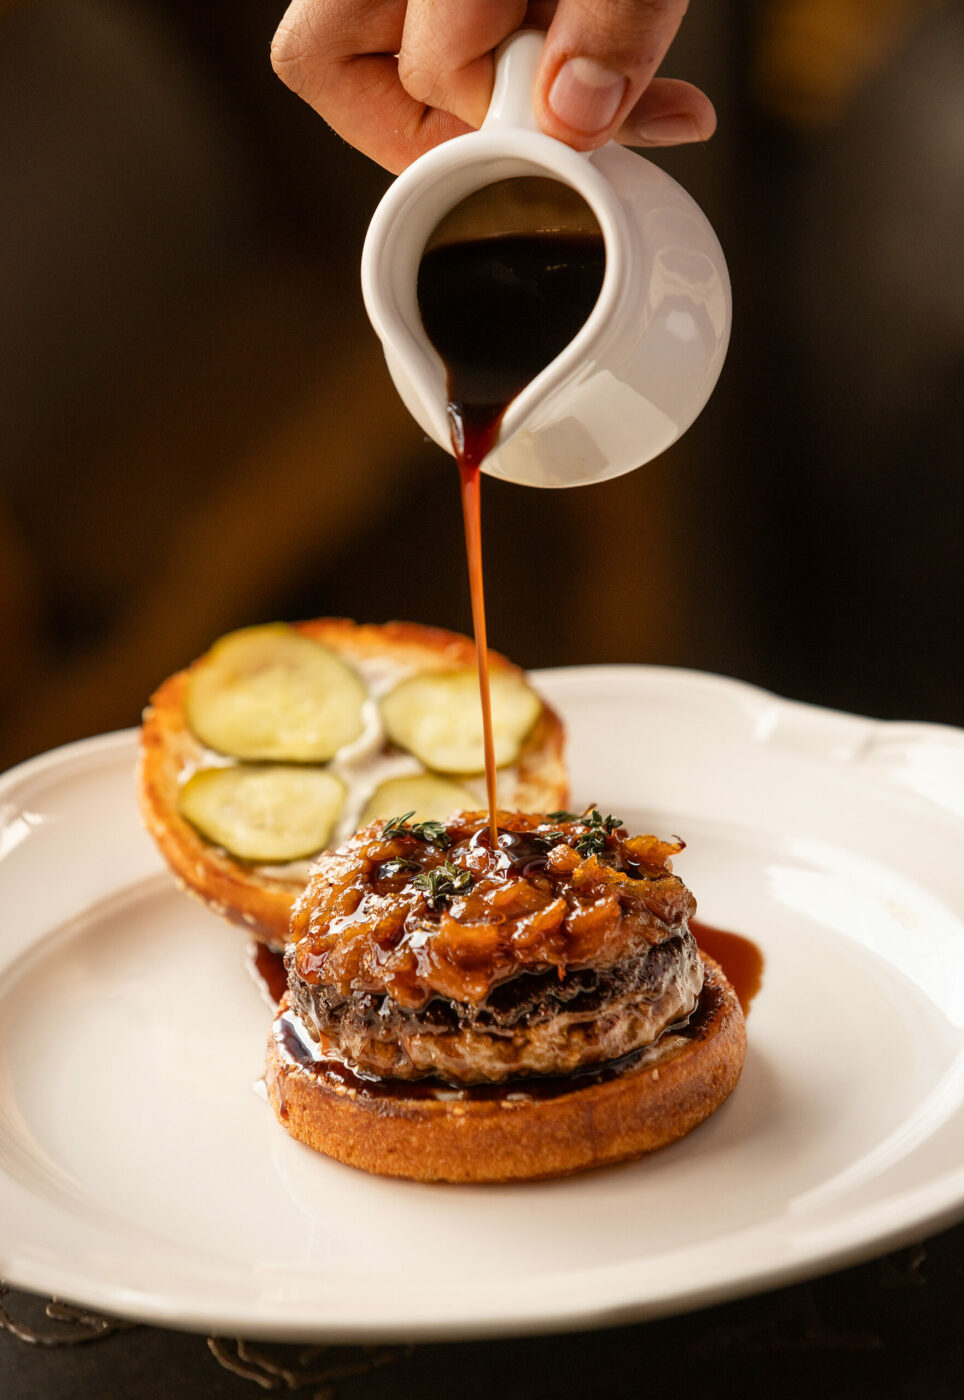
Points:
586	95
669	131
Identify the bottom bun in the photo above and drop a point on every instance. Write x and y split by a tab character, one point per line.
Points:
521	1131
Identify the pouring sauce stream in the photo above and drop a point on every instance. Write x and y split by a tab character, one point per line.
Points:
498	310
471	480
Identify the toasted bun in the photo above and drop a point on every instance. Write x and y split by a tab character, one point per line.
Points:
512	1138
246	894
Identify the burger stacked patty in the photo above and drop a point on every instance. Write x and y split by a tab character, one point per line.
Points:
419	949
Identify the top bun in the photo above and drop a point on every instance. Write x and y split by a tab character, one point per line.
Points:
251	697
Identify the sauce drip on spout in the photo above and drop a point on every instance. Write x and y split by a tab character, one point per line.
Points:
498	310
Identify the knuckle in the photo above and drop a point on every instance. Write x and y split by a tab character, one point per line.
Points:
629	19
295	50
629	35
288	56
419	82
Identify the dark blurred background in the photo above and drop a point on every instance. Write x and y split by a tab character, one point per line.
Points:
197	432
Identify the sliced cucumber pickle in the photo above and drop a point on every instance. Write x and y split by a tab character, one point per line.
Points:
269	814
437	716
270	693
428	797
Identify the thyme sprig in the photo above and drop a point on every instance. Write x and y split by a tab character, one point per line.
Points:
444	881
600	828
432	833
593	839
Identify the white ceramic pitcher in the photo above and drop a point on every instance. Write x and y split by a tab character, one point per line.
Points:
644	363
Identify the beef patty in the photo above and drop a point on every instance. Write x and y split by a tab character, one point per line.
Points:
420	950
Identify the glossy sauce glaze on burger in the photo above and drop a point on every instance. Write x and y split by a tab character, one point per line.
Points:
420	951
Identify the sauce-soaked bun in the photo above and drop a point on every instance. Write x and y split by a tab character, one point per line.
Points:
458	1012
258	896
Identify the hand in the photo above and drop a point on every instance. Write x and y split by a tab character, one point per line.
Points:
396	78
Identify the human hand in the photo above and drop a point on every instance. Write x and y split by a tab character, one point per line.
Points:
396	77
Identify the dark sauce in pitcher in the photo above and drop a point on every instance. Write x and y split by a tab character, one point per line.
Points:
498	310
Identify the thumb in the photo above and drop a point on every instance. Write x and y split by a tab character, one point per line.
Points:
598	60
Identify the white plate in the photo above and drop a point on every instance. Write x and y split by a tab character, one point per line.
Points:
140	1172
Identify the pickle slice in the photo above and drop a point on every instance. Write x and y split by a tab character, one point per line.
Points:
428	797
269	814
269	693
437	716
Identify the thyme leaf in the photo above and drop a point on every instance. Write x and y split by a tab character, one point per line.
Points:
390	868
396	827
442	882
549	838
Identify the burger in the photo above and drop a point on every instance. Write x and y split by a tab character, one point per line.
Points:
489	1003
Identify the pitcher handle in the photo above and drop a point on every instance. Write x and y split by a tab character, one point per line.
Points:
516	64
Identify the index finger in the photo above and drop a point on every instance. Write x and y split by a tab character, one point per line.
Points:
340	56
